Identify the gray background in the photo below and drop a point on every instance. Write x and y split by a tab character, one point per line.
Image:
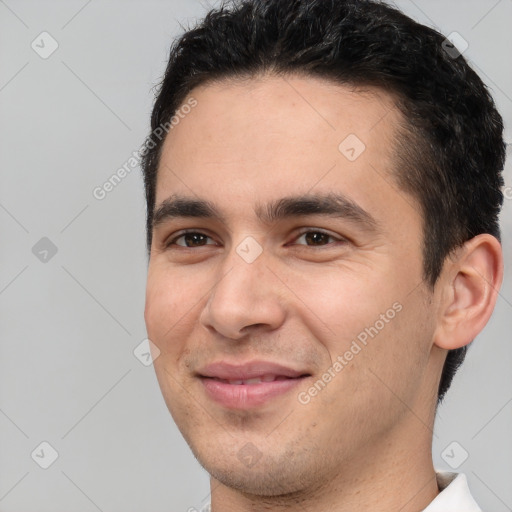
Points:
68	375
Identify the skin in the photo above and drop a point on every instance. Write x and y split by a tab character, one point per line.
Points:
364	441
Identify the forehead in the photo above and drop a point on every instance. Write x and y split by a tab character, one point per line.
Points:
262	138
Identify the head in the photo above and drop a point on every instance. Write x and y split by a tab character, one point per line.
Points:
276	93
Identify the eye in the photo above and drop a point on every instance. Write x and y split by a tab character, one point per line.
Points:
316	238
189	239
310	237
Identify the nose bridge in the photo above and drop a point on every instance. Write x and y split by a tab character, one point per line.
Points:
245	294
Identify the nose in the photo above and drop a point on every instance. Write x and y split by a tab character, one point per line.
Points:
246	297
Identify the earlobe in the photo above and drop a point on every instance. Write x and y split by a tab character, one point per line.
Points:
471	283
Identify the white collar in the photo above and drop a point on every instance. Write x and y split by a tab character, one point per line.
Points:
454	496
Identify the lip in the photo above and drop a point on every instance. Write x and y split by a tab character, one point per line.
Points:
250	370
214	378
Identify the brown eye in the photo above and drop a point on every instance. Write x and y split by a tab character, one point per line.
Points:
190	240
316	238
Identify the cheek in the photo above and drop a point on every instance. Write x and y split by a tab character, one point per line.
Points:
169	306
393	359
168	312
373	322
340	302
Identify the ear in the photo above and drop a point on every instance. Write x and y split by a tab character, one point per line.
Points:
470	282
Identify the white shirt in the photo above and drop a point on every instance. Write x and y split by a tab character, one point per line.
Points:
454	496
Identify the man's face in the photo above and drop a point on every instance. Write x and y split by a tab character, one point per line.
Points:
302	289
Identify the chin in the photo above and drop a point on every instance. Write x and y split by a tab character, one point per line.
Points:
257	483
267	477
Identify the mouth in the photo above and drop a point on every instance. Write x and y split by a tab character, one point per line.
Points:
249	385
255	380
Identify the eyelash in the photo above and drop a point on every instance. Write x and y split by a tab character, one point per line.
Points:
172	242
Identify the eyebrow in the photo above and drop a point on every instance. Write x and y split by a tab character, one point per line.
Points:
331	205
